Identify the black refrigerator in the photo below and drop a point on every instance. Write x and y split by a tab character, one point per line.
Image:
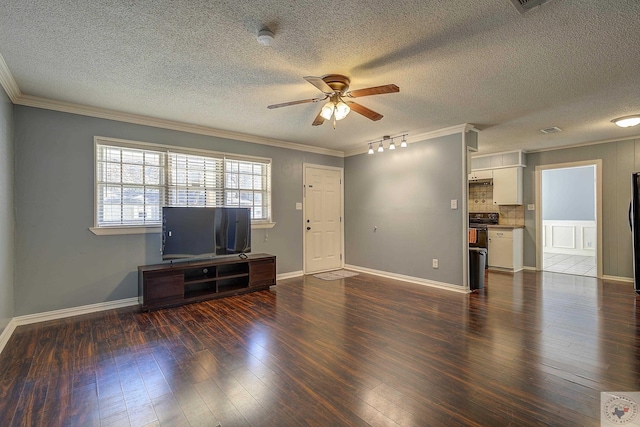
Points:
634	223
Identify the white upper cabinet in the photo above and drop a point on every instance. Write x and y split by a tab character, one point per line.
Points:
507	186
498	160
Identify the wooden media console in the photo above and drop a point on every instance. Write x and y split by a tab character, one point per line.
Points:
184	282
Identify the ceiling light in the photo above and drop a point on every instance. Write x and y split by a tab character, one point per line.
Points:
390	140
341	110
327	110
627	121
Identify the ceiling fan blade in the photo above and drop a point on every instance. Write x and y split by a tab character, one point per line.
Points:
319	83
318	120
303	101
369	114
378	90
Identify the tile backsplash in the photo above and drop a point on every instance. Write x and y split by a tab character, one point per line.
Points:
481	200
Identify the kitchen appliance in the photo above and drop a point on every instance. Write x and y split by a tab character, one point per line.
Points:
634	223
479	221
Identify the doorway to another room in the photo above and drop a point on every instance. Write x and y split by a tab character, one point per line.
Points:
567	218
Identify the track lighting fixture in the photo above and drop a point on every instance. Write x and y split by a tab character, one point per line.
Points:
392	144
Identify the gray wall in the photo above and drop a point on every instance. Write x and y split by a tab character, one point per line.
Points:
60	263
406	194
619	160
7	221
569	194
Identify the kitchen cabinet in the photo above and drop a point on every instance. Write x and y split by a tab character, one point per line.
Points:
507	186
498	160
475	175
505	248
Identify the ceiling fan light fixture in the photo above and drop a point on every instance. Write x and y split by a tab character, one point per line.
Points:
627	121
327	110
341	110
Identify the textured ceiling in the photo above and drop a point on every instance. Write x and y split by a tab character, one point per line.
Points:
571	64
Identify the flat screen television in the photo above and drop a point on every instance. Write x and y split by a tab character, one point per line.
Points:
191	232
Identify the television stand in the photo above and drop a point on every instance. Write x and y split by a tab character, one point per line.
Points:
185	282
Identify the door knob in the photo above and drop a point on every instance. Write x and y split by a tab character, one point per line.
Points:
308	228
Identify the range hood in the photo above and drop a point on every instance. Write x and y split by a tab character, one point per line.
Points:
481	177
481	181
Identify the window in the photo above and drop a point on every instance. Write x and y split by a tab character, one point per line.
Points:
134	181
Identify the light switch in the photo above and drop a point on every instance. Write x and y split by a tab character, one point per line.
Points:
531	207
454	204
298	206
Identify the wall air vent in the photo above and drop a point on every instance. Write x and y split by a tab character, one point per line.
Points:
526	5
554	129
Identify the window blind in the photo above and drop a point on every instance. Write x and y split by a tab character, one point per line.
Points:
132	184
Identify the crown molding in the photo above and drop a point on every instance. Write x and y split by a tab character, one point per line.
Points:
463	128
585	144
103	113
18	98
7	82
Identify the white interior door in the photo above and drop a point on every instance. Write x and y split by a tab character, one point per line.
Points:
322	219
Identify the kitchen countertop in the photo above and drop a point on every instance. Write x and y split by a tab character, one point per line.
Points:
505	226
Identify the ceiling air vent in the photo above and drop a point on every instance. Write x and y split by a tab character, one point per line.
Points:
526	5
554	129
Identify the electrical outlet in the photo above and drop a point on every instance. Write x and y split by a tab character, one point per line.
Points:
531	207
454	204
434	263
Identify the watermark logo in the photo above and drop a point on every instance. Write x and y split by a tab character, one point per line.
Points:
619	408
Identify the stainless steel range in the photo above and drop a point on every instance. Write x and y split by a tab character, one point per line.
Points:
479	221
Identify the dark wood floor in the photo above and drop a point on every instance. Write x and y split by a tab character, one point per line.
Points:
530	349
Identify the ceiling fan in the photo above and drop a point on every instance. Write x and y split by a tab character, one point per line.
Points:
335	87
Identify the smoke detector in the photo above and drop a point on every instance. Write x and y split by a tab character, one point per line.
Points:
265	37
526	5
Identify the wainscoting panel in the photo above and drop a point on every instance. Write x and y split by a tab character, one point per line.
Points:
570	237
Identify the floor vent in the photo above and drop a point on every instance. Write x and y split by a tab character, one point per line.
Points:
526	5
554	129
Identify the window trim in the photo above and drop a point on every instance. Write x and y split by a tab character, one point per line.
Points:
155	229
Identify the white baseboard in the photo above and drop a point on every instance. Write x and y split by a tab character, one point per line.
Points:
61	314
289	275
6	333
410	279
618	278
528	268
74	311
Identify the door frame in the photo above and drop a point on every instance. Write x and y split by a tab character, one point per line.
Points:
306	166
598	167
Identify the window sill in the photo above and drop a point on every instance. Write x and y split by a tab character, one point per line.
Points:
116	231
263	225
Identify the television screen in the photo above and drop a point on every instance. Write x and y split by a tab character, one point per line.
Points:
192	232
232	230
188	232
